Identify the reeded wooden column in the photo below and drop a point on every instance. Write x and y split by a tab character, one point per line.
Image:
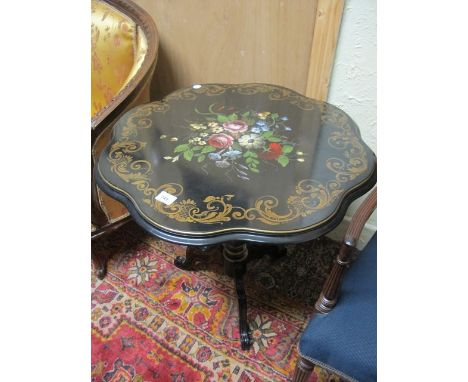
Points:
303	370
329	296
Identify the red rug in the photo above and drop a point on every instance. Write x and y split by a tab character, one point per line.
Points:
154	322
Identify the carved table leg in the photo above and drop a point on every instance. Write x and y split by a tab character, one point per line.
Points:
192	255
303	370
235	256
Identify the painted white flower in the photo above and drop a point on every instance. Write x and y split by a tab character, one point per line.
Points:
216	129
142	269
197	141
197	126
251	141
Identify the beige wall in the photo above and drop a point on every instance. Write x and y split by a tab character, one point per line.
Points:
354	82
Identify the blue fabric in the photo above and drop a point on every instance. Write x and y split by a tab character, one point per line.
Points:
346	338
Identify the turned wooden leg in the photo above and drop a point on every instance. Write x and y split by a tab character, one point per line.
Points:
235	256
330	292
101	263
303	370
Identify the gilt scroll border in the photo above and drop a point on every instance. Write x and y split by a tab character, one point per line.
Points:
309	197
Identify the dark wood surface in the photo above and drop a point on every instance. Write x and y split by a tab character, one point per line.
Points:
280	168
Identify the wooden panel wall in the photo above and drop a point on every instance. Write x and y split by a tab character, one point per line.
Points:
236	41
322	53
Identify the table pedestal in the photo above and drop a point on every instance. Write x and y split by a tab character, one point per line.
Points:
235	259
235	255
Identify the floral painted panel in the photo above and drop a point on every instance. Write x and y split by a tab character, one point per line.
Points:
240	141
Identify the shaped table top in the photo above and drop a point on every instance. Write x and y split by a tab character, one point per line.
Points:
253	162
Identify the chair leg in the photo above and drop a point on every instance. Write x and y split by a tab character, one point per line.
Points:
303	370
331	289
99	263
100	266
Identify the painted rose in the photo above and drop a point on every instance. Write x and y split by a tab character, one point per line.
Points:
220	141
235	126
274	151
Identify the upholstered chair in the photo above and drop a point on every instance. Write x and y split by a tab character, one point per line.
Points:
124	47
343	338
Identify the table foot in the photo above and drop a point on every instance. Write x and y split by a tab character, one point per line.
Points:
192	256
244	330
235	257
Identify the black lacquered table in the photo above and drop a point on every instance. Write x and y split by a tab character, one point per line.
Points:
231	165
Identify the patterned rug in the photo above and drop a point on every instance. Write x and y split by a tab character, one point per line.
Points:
154	322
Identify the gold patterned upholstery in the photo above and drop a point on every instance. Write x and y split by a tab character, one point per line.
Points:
118	47
123	48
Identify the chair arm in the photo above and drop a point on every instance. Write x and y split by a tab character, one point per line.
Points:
360	218
329	296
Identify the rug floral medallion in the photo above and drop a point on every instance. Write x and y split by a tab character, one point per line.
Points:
151	321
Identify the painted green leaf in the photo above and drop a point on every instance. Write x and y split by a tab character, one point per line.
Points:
188	155
207	149
196	148
201	158
181	148
253	169
246	114
236	146
249	160
248	121
253	154
287	149
232	117
274	139
283	160
274	115
267	134
222	118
